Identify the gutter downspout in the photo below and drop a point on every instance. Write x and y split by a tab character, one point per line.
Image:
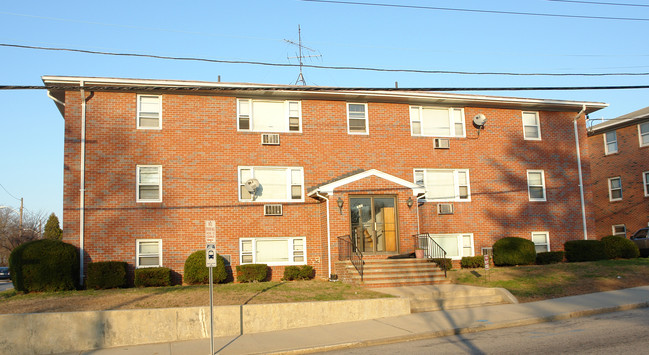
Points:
328	233
82	188
581	180
49	94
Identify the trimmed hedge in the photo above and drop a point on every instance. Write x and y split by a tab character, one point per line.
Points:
106	274
44	265
443	263
153	277
472	262
620	247
549	257
252	272
512	251
197	273
584	250
304	272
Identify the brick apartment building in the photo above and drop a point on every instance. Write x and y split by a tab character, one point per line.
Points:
619	153
286	170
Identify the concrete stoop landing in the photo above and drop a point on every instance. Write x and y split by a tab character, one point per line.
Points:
449	296
393	273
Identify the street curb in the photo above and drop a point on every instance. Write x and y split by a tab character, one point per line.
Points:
466	330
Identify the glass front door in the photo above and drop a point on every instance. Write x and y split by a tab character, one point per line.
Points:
373	223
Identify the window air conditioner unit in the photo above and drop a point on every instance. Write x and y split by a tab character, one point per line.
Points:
272	210
270	139
442	143
444	208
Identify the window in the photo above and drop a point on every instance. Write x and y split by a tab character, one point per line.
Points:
149	111
357	118
610	142
437	121
536	185
531	126
148	253
619	229
455	245
541	241
615	189
273	251
645	178
444	184
269	116
149	183
643	134
276	184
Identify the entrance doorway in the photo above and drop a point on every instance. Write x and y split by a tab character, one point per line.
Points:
373	223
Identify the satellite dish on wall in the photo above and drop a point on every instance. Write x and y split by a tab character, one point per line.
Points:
479	120
251	185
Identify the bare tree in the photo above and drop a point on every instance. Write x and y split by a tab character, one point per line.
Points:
11	233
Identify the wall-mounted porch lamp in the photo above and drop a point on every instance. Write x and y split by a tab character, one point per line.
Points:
409	202
340	203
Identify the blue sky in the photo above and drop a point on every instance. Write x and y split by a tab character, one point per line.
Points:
31	128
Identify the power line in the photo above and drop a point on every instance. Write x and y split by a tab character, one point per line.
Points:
600	3
418	71
479	11
9	193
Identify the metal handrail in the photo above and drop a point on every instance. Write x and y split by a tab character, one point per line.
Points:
432	250
347	250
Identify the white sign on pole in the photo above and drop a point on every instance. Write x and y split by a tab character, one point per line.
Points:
210	232
210	255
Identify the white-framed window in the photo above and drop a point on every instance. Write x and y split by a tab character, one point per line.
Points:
357	122
149	183
148	253
269	115
444	184
541	241
643	134
610	142
536	185
273	251
531	126
276	184
149	111
455	245
437	121
645	182
619	229
615	188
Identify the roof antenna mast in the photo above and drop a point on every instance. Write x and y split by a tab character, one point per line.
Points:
300	56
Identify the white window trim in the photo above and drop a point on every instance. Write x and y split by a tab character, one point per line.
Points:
460	244
286	115
367	120
545	192
137	183
538	120
547	239
610	189
618	225
640	135
288	183
137	118
455	183
450	117
290	250
645	180
137	253
606	151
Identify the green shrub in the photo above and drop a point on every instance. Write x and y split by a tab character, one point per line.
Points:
584	250
514	251
153	277
106	274
252	272
304	272
472	262
446	264
44	265
620	247
549	257
197	273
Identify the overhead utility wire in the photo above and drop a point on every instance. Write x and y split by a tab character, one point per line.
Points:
9	193
419	71
479	11
600	3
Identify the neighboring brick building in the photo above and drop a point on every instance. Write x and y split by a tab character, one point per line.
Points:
163	157
619	153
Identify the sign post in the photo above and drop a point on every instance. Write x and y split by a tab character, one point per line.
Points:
210	262
486	266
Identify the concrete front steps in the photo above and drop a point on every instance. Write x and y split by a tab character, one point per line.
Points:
394	273
450	296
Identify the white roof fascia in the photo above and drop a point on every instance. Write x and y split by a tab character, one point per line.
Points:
329	188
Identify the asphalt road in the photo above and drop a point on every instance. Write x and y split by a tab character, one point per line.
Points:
5	285
611	333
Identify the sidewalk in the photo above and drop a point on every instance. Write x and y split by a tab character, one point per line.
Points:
403	328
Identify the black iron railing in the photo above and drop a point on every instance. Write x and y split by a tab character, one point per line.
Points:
347	250
432	250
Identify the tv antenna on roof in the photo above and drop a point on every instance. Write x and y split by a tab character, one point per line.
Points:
300	56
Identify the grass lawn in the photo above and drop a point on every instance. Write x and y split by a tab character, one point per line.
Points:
538	282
